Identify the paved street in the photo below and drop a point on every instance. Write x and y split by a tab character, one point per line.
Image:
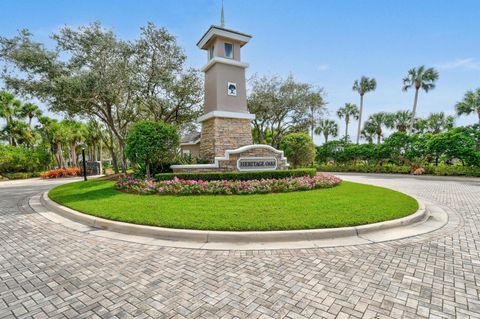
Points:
48	271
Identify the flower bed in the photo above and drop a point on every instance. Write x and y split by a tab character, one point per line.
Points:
61	172
178	186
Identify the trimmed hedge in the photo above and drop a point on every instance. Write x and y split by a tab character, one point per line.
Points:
20	175
441	170
365	168
238	176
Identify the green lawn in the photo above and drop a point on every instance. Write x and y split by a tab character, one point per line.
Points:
346	205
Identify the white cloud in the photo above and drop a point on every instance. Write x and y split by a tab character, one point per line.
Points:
466	64
323	67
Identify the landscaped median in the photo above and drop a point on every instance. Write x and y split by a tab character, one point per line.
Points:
348	204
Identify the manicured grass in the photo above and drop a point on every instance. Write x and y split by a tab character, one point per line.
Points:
348	204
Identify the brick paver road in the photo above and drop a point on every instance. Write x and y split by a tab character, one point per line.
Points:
48	271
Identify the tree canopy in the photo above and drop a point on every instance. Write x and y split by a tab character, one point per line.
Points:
91	72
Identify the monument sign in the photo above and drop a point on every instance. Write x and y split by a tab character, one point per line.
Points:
226	135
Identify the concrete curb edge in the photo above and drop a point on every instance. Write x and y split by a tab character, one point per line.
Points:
205	236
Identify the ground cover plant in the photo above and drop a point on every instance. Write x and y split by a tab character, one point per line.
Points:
345	205
178	186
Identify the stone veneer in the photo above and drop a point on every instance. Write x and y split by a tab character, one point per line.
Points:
220	134
228	162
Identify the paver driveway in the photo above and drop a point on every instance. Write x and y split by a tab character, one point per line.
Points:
48	271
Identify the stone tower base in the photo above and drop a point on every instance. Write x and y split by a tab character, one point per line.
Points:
220	134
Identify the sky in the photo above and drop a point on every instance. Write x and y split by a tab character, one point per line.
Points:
328	43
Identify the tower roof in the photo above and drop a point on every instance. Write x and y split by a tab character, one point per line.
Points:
217	31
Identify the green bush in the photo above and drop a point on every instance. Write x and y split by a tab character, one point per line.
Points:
21	175
441	170
298	148
20	159
238	176
365	168
453	170
151	143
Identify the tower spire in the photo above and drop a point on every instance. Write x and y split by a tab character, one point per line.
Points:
222	18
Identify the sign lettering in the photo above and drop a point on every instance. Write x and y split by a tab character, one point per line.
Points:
256	163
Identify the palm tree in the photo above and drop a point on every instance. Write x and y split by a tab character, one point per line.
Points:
93	138
438	122
347	111
30	111
379	120
363	86
56	134
75	133
9	107
401	120
19	132
327	128
420	78
470	104
368	132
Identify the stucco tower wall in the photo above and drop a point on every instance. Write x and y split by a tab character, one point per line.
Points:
220	134
216	98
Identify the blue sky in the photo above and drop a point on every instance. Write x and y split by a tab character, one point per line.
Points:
327	43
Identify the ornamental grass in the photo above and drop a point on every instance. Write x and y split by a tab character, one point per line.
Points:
176	186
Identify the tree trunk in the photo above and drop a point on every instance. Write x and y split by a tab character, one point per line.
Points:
326	137
121	143
73	154
147	170
346	129
360	119
59	155
414	109
113	155
101	150
478	112
312	127
379	136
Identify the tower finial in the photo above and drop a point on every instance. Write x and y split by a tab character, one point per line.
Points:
222	18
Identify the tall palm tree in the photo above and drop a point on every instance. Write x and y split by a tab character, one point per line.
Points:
419	78
327	128
379	120
9	107
470	104
401	120
368	132
30	110
438	122
347	111
363	86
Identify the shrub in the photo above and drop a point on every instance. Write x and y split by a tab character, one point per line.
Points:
453	170
441	170
222	187
21	175
20	159
237	176
150	143
61	172
298	148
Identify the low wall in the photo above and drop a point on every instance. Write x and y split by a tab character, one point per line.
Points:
254	157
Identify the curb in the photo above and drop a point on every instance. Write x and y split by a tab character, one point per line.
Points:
228	237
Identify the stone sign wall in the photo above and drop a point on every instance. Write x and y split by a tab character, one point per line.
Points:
263	157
